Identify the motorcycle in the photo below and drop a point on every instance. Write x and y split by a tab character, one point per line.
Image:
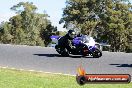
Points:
84	45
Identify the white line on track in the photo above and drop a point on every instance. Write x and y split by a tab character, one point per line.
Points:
37	71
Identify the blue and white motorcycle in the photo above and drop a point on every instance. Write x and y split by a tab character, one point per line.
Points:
84	45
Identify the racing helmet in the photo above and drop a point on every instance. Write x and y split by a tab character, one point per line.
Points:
71	33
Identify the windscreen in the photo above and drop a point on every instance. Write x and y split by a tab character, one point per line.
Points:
85	39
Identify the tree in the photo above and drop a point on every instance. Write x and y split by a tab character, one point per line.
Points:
81	13
45	34
27	26
108	21
5	34
115	24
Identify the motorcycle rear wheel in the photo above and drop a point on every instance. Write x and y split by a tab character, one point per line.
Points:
63	52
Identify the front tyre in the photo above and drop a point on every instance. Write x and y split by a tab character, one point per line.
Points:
97	53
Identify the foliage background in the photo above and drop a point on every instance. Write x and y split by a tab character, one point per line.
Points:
27	27
108	21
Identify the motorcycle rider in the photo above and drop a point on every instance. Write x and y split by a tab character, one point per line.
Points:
65	42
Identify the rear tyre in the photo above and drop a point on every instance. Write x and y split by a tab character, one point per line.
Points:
58	49
62	52
65	53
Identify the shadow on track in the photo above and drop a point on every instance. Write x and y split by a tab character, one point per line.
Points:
57	55
79	56
122	65
48	55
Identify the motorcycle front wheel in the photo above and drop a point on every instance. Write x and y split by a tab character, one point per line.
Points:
97	53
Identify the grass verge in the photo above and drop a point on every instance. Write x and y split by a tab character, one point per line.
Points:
24	79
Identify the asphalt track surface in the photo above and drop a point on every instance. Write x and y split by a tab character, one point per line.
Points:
47	60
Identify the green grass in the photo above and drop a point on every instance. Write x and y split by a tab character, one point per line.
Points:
25	79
